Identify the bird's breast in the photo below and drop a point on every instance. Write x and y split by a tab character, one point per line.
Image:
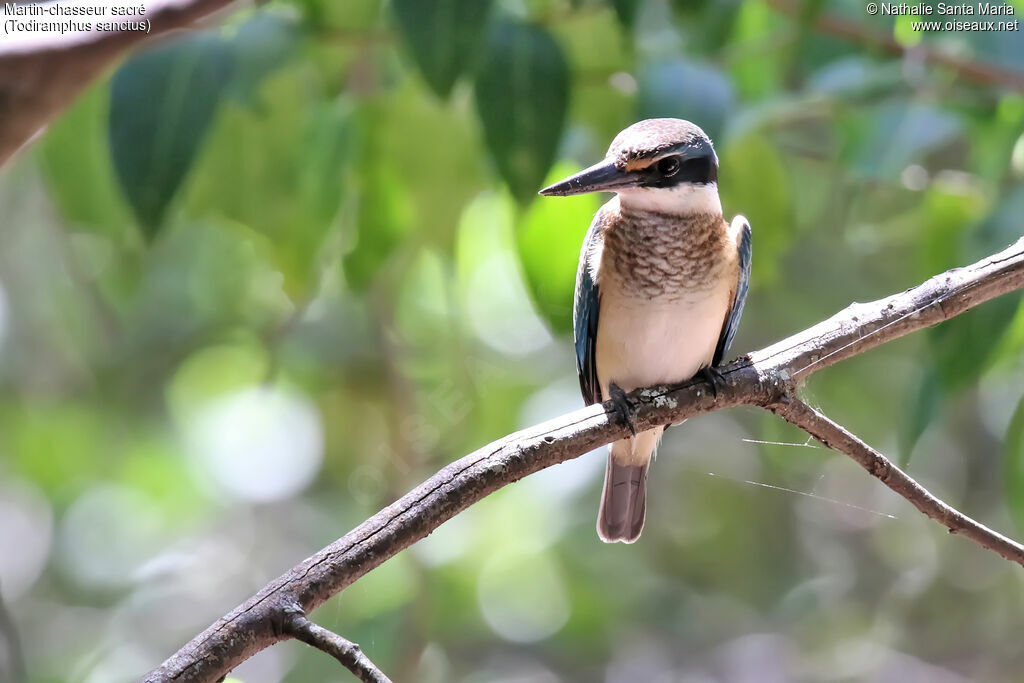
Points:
665	257
640	343
665	293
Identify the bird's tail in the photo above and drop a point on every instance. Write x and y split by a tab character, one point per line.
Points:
624	500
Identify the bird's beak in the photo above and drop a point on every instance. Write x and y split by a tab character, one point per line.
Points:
602	177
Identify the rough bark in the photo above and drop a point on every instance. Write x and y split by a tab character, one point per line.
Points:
766	378
345	651
42	73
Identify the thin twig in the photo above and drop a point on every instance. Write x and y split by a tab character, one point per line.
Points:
981	73
345	651
837	438
761	379
42	73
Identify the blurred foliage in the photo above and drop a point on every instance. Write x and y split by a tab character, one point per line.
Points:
167	96
443	37
269	275
522	90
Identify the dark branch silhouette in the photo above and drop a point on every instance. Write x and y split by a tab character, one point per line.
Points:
768	378
42	73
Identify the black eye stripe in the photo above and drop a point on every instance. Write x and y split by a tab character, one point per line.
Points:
674	170
696	170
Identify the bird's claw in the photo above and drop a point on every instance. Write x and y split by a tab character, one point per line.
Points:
622	406
713	376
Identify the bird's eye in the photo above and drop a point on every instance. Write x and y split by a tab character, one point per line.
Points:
668	166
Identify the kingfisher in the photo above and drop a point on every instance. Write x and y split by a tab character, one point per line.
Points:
660	289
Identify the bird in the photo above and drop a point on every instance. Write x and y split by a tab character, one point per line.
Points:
660	289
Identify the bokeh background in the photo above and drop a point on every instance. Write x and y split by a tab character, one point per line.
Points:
265	277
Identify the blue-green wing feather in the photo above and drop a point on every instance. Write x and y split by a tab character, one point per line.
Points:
732	322
585	311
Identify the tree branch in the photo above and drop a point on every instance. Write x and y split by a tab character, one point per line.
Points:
765	378
978	72
345	651
837	438
41	73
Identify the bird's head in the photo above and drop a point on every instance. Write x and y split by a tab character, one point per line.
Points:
665	165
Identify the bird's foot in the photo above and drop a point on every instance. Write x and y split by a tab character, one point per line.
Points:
713	376
622	406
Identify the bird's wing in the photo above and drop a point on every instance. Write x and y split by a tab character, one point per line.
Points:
585	310
740	229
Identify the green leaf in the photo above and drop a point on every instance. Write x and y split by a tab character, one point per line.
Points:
965	346
754	181
75	161
855	78
1013	462
216	371
548	238
383	212
383	217
429	145
685	90
443	37
945	215
522	92
626	11
969	344
755	77
351	15
708	23
1001	228
162	103
596	43
57	445
285	161
882	143
260	46
200	278
496	302
391	586
927	401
